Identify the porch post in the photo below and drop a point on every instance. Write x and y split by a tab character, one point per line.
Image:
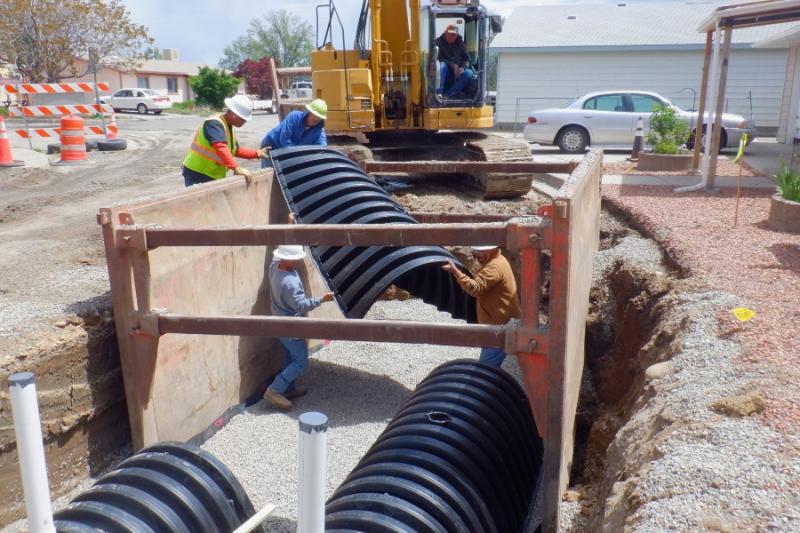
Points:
698	131
712	147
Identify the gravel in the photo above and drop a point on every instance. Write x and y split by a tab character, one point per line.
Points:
706	469
359	385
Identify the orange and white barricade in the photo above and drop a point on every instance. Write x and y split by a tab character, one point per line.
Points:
52	111
56	88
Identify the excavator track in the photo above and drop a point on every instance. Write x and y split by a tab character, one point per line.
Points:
497	149
449	146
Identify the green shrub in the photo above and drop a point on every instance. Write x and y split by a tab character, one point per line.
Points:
668	132
3	110
211	86
788	183
188	105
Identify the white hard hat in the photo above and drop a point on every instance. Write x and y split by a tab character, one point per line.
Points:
289	252
484	248
241	105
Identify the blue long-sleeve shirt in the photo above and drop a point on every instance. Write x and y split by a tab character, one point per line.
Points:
288	295
292	131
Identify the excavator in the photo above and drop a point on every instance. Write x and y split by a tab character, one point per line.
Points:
383	91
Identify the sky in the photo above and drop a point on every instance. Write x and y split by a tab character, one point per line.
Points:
201	30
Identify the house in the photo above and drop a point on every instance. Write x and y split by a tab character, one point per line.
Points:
168	76
7	76
789	116
549	55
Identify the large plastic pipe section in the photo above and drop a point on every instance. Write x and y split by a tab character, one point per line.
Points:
322	186
169	487
30	449
462	455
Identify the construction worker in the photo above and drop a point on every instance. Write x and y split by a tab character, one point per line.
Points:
214	145
495	290
454	71
298	128
289	299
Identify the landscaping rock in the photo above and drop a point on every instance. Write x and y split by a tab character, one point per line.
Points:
739	406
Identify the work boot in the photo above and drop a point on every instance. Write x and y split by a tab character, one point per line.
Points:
296	392
277	400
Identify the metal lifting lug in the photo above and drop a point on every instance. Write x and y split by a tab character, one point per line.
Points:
526	340
526	232
146	324
132	238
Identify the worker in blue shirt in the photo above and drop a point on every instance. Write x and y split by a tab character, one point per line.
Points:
289	299
298	128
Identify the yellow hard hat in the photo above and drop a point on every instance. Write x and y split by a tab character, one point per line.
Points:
319	108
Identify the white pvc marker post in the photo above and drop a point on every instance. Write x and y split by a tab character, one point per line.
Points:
30	448
312	457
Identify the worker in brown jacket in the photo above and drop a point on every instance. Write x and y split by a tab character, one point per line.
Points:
495	290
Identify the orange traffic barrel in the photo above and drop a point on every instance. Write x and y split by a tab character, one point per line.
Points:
73	145
6	159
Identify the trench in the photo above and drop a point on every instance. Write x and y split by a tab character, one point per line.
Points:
627	332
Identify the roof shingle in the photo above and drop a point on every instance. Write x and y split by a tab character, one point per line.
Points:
634	25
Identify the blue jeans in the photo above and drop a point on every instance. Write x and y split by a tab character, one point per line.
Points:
446	73
492	356
190	177
295	361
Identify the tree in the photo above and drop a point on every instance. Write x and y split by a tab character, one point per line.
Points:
256	76
212	86
43	38
151	52
278	34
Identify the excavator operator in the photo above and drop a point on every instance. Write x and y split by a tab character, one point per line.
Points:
454	71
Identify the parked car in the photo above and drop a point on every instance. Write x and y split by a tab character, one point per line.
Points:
609	119
140	100
268	104
298	89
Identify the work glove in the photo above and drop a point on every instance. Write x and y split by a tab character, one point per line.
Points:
263	153
248	174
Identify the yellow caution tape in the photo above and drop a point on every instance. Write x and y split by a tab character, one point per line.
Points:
742	146
743	314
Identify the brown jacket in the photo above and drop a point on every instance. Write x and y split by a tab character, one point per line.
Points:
495	289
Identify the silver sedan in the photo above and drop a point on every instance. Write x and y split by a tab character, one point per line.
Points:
609	119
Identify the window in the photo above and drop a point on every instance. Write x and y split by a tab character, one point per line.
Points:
143	82
607	102
643	103
172	85
121	94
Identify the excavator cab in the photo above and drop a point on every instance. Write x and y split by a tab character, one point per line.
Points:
473	26
389	80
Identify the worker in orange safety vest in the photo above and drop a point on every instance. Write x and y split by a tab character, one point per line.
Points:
215	145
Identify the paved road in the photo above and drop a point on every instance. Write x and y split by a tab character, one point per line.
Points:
128	124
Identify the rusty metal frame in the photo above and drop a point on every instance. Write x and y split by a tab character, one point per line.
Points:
516	235
446	167
542	350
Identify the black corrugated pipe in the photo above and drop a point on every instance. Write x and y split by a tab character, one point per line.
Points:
323	186
462	455
169	487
